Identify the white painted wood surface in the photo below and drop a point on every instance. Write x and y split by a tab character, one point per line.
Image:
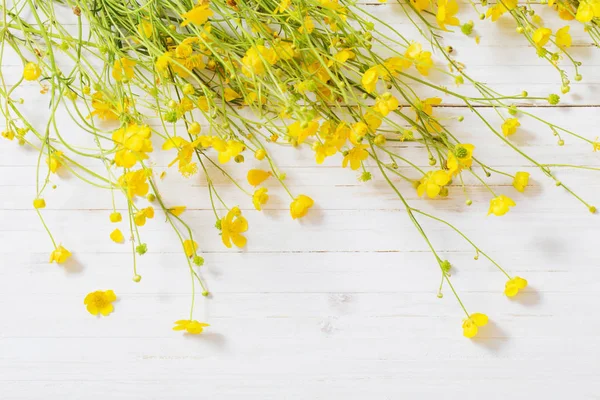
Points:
341	305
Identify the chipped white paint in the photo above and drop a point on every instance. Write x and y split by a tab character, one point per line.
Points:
341	305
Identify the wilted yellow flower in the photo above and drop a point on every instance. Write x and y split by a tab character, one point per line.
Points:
100	302
521	180
432	183
232	227
117	236
472	324
190	247
190	326
300	206
31	71
500	205
123	69
541	36
257	176
510	125
197	15
513	286
60	255
355	156
259	198
563	38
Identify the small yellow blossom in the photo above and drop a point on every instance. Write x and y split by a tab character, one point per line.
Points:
144	29
260	154
257	176
513	286
541	36
445	13
190	326
563	37
100	302
296	130
256	58
510	125
300	206
197	15
355	157
190	247
308	26
140	217
115	217
259	198
123	69
229	94
500	8
460	158
177	210
60	255
370	78
500	205
54	161
521	180
39	203
232	227
323	150
386	104
227	150
135	183
472	324
31	71
133	143
9	134
588	10
432	183
421	59
117	236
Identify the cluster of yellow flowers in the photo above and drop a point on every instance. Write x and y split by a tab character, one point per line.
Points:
216	82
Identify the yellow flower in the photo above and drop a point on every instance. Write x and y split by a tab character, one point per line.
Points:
283	5
513	286
39	203
500	205
229	94
563	38
227	150
323	150
255	59
31	71
432	183
588	10
10	135
257	176
140	217
190	326
123	67
100	302
135	183
500	8
460	158
521	180
115	217
60	255
370	78
421	59
197	15
386	104
177	210
259	198
54	161
105	110
472	324
299	207
190	247
308	26
301	133
203	103
541	36
510	125
133	143
445	13
117	236
343	55
232	227
355	157
144	29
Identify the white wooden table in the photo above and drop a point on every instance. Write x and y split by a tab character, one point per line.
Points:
341	305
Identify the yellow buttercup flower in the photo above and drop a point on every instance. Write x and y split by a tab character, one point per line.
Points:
135	183
232	227
432	183
386	104
39	203
190	247
445	13
177	210
31	71
227	150
100	302
541	36
54	161
323	150
472	324
259	198
140	217
123	69
308	25
588	10
370	78
190	326
355	157
133	143
115	217
460	158
563	38
117	236
255	59
104	109
257	176
521	180
500	8
300	206
421	59
510	125
144	29
302	131
500	205
60	255
513	286
197	15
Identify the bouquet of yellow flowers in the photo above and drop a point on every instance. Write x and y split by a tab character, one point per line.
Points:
154	86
